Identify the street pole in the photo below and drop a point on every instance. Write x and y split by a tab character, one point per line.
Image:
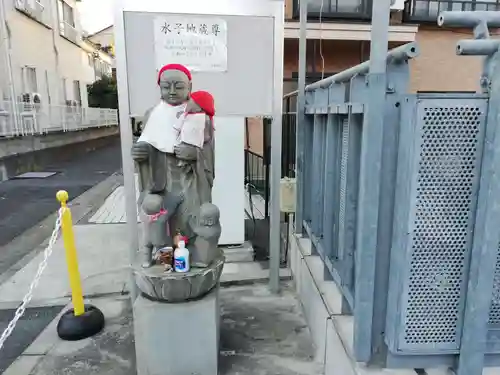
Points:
7	51
369	186
301	104
276	157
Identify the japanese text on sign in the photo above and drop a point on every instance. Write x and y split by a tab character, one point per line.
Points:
198	43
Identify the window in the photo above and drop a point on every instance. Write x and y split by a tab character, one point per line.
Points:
28	79
340	6
34	9
67	13
67	23
428	10
77	94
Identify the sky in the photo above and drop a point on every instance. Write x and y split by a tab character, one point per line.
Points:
96	14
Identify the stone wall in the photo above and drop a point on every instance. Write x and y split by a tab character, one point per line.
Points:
33	152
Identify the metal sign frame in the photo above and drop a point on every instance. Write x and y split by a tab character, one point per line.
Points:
263	8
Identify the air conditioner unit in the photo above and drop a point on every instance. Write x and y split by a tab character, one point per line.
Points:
31	98
397	5
30	101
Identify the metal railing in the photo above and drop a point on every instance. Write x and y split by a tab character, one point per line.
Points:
257	167
34	9
428	10
68	31
336	9
405	214
257	176
35	119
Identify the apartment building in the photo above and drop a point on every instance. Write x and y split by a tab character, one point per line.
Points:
43	52
96	62
338	37
105	38
338	34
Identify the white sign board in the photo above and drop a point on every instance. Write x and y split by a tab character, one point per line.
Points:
198	43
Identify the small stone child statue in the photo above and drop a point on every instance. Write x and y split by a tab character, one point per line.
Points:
207	231
155	215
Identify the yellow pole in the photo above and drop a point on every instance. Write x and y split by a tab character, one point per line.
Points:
71	256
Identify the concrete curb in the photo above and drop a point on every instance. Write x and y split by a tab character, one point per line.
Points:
37	237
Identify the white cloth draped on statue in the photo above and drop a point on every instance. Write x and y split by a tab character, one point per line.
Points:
168	126
192	129
161	127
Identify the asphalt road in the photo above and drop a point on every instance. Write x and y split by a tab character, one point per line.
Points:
25	202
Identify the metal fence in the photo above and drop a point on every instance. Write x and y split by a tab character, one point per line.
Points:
422	281
289	136
257	166
41	119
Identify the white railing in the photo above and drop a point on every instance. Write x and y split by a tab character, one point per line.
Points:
34	9
42	119
68	31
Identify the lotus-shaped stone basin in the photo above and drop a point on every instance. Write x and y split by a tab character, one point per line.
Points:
172	287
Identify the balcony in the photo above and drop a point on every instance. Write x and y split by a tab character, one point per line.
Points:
428	10
336	9
68	32
35	10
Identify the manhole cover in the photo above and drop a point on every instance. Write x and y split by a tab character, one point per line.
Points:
31	324
36	175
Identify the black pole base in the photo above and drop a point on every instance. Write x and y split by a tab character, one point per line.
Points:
74	328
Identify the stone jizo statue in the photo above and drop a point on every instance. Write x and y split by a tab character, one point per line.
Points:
156	212
175	157
207	231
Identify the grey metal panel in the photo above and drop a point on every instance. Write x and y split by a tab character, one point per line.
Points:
401	213
336	93
398	80
318	162
494	318
308	160
348	232
331	172
343	184
245	89
432	241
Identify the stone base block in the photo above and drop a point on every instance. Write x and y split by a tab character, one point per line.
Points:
239	254
177	338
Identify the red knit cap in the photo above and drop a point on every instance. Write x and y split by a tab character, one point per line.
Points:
206	102
178	67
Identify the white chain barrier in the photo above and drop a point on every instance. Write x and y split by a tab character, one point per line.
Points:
41	267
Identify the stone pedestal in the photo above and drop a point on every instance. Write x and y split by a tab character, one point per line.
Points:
178	287
177	338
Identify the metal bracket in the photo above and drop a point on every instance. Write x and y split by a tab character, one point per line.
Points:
481	45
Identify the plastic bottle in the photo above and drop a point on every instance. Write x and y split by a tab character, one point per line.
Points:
181	258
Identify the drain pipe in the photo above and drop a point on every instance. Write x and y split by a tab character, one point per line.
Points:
8	58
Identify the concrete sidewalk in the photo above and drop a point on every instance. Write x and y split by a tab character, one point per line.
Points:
104	268
260	334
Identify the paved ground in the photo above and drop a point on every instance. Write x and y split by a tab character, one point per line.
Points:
261	334
32	323
25	202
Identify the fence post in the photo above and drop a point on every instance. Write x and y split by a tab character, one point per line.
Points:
369	184
300	121
82	321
